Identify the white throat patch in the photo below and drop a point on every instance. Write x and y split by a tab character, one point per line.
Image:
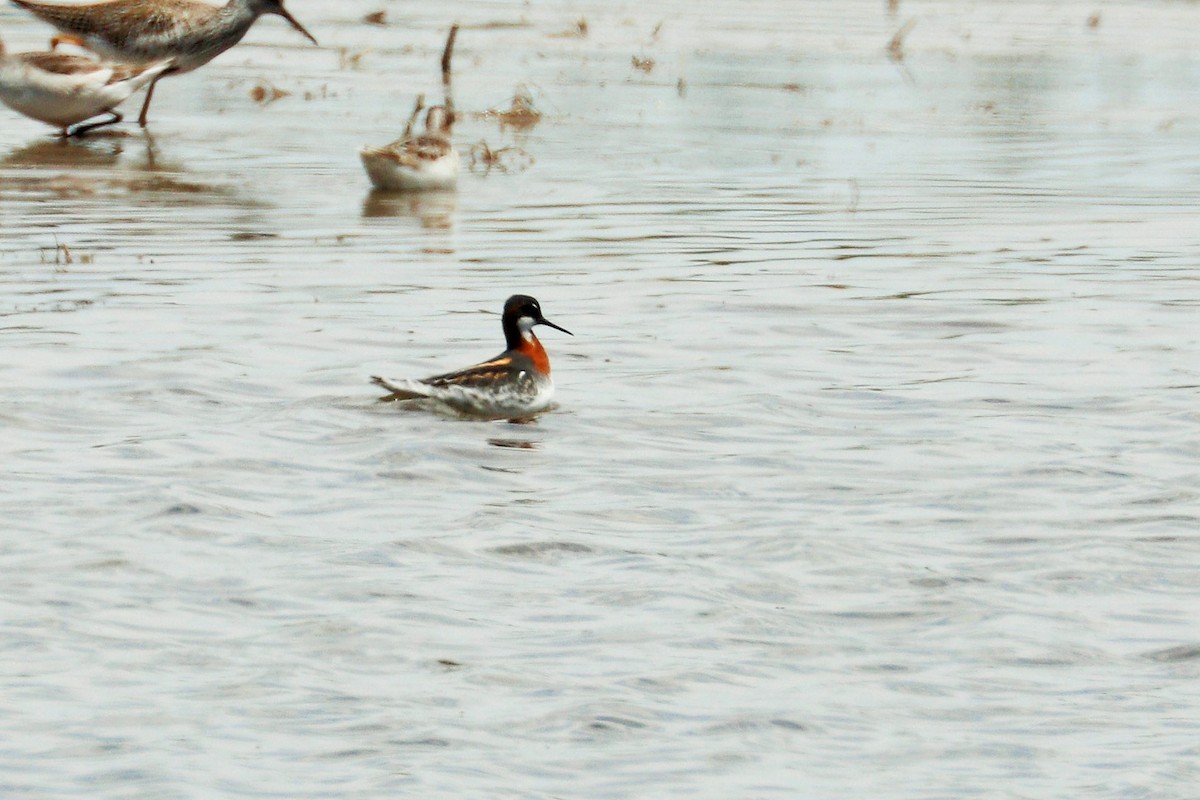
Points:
525	325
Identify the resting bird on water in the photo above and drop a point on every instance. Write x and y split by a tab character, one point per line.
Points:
425	161
415	163
64	90
190	32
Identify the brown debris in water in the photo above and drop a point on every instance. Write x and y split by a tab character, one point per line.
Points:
418	107
646	65
895	47
348	59
580	31
1093	21
62	254
265	92
508	160
501	25
376	18
521	112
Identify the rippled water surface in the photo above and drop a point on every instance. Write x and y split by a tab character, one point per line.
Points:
875	471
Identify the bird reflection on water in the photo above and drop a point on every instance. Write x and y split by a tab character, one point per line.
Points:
432	210
106	162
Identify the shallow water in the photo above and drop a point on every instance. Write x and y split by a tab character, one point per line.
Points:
875	467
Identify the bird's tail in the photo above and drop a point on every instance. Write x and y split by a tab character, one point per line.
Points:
403	389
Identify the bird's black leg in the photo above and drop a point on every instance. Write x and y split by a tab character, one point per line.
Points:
80	130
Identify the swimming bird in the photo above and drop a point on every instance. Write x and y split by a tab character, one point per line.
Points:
64	90
190	32
513	385
415	163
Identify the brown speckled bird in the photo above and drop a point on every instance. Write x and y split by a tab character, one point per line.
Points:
65	90
189	32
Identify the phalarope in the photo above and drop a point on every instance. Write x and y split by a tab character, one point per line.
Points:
191	32
513	385
425	162
422	162
64	90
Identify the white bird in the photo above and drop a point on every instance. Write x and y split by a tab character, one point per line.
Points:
420	162
423	162
62	90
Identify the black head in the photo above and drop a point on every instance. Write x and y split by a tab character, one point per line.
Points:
521	313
